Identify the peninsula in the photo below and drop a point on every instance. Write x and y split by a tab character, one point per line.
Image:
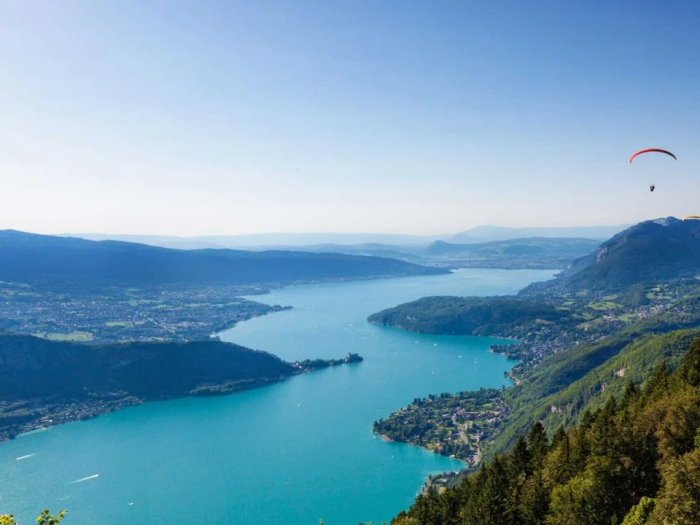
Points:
43	383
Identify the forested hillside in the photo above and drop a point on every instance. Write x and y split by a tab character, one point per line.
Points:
634	461
34	367
469	315
61	261
647	252
561	388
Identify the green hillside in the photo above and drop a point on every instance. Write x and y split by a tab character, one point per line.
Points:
560	390
34	367
469	315
634	461
647	252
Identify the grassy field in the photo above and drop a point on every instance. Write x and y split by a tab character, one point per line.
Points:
603	305
78	337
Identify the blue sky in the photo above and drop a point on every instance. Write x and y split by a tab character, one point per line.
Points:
226	117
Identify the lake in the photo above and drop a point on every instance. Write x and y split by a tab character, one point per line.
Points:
290	453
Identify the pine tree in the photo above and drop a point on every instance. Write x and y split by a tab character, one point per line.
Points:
658	383
535	500
690	369
489	502
639	514
561	465
519	458
558	436
603	433
630	394
537	445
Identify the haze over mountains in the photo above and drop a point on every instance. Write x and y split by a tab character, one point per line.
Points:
500	233
261	240
29	258
485	246
473	235
662	248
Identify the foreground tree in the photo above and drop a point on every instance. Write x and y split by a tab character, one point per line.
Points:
45	518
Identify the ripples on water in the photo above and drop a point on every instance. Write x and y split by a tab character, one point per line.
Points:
289	453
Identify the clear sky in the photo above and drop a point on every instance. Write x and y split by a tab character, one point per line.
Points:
399	116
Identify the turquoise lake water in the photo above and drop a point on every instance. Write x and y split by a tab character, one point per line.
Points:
287	454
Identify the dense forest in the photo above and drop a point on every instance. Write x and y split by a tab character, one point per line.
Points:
633	461
564	385
470	315
34	367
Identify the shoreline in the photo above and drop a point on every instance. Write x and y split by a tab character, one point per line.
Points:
479	453
72	411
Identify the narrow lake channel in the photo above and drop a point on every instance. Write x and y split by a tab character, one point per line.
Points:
290	453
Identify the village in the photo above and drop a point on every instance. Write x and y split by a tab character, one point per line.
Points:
127	314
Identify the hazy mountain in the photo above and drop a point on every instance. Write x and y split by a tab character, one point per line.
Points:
567	247
260	240
496	233
26	257
164	241
347	240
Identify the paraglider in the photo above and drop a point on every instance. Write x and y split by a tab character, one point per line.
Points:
652	187
692	217
652	150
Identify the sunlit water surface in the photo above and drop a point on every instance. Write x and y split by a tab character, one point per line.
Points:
286	454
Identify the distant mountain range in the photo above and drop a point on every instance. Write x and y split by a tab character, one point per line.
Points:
499	233
286	240
519	252
659	249
30	258
261	240
562	247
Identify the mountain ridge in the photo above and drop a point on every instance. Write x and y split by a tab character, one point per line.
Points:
27	257
657	249
478	234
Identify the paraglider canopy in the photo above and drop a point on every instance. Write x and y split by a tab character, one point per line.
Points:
691	217
653	150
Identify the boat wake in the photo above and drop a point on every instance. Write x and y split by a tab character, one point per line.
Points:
85	479
25	457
